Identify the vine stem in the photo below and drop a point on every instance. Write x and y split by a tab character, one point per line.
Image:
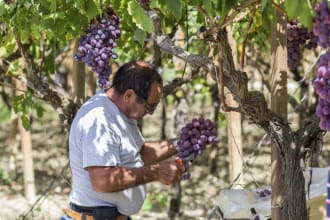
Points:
237	10
278	7
43	45
221	89
12	87
246	37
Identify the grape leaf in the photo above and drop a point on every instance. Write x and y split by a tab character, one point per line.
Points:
263	5
257	22
18	103
139	36
35	32
26	122
207	4
301	10
174	7
2	9
76	21
4	112
47	23
53	6
91	9
140	18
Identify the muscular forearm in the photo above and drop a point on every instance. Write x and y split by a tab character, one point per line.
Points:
153	152
113	179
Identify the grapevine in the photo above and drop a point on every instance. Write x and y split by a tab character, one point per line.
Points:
96	48
193	139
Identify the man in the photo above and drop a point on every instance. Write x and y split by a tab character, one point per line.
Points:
109	158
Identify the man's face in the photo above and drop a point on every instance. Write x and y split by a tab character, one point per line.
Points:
139	109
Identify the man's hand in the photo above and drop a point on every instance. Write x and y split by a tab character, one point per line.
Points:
170	171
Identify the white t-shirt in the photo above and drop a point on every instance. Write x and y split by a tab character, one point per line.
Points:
101	135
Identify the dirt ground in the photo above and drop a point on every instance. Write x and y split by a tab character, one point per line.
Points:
199	195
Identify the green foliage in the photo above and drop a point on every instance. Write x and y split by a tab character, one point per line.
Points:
24	104
4	112
58	23
14	68
26	122
169	7
4	178
258	32
134	30
302	10
200	86
7	45
153	200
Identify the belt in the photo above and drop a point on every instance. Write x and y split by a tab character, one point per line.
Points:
82	209
86	213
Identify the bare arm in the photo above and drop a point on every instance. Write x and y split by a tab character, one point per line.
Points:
113	179
156	151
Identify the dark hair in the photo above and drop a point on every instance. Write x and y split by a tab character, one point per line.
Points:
136	75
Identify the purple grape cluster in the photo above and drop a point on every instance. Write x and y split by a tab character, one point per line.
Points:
194	137
96	48
321	24
144	2
322	88
264	193
298	38
8	1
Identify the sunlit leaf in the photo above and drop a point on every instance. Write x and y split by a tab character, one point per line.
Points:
3	52
14	68
26	122
140	18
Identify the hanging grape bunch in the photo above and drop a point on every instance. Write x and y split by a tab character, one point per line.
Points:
145	4
264	193
322	88
298	38
8	1
321	29
321	24
96	48
295	37
194	137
